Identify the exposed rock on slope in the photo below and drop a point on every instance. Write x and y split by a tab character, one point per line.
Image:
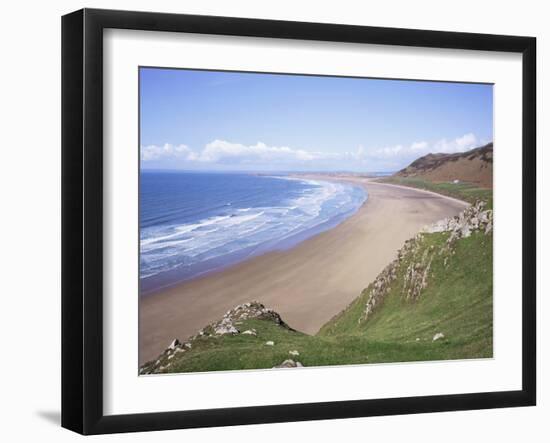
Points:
290	364
475	166
382	283
416	274
228	325
473	218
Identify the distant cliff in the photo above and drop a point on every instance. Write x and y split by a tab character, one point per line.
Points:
475	166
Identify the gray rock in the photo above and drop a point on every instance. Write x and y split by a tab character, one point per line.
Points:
226	325
295	353
465	232
175	343
472	219
290	364
438	336
226	329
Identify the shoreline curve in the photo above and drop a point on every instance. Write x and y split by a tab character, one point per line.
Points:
307	284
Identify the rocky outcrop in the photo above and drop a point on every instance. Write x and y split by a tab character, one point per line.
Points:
289	364
438	336
382	284
247	311
474	218
416	274
380	287
227	325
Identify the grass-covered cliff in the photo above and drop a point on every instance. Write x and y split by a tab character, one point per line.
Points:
434	302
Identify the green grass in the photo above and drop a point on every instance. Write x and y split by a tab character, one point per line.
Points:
463	191
456	302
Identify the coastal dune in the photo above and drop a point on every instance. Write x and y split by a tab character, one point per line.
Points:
307	284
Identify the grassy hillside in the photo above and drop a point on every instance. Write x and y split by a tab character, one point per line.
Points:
441	284
474	166
457	301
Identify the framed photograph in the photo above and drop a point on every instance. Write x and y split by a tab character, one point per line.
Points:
268	221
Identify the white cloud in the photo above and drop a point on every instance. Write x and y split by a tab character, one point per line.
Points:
360	154
417	149
154	152
419	146
460	144
222	152
226	152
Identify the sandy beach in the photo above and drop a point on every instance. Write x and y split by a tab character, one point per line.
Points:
307	284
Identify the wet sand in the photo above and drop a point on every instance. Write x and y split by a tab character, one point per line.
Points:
307	284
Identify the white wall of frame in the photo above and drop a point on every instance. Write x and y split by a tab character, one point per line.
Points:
30	222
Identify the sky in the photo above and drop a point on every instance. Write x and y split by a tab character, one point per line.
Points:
228	121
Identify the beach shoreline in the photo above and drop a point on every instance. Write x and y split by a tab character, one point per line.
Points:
307	284
160	281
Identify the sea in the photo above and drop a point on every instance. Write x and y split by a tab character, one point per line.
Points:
195	223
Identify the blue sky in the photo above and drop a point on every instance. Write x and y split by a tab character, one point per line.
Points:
203	120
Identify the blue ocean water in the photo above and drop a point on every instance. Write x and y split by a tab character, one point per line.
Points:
193	223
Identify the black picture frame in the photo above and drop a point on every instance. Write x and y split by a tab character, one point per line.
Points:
82	218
